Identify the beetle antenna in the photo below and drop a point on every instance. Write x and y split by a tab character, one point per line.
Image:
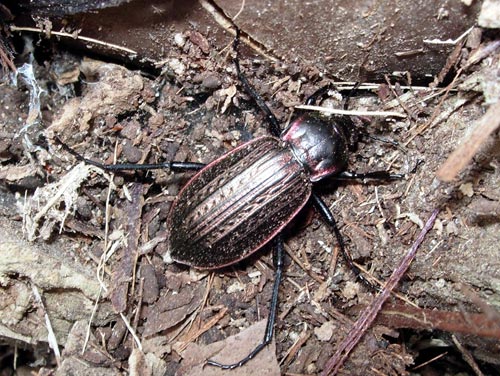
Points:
171	165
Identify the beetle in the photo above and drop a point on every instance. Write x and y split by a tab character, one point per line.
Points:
243	200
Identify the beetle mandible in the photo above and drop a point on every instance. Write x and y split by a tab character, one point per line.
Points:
236	204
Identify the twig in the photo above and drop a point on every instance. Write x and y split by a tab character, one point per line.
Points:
131	331
206	326
138	309
467	356
449	41
462	155
437	109
430	361
348	85
398	316
398	99
4	56
196	316
100	271
318	278
227	24
301	339
241	10
74	36
378	282
369	315
335	111
51	337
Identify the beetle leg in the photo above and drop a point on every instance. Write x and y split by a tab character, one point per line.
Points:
351	94
327	215
320	93
273	124
374	175
278	256
171	165
323	91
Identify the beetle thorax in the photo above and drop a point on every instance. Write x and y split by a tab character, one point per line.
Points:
320	146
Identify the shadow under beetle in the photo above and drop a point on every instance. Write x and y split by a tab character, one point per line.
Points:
243	200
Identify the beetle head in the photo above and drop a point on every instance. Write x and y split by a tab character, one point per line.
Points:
320	145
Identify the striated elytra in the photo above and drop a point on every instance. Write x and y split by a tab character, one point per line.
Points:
239	202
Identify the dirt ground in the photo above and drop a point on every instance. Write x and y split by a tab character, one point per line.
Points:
82	256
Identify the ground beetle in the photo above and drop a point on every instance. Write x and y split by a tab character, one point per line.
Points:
243	200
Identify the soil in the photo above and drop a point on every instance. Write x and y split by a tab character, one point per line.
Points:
92	243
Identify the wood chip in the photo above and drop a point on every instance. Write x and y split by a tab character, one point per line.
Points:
462	155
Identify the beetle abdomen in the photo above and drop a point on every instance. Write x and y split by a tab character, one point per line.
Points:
236	204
